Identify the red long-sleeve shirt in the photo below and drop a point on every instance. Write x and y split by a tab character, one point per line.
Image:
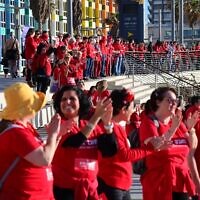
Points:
116	171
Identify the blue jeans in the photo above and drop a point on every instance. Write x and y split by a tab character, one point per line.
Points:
118	65
103	65
89	67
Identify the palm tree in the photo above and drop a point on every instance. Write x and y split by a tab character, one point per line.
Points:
192	10
77	15
40	10
114	23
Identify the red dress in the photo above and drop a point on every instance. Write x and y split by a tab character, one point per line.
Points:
167	170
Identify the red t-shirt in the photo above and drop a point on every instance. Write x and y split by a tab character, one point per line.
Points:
166	169
26	181
72	165
116	171
189	111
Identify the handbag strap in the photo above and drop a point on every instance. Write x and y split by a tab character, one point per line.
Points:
13	43
14	163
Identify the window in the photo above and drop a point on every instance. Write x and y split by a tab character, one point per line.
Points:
2	1
64	8
187	33
168	33
57	26
22	4
65	27
31	21
22	20
12	18
87	12
2	16
12	2
13	26
3	24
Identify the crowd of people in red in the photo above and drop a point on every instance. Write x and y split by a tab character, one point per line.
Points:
87	57
87	154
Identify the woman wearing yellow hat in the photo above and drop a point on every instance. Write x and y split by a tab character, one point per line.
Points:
24	158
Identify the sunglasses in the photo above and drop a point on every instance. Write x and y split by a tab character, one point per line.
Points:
172	101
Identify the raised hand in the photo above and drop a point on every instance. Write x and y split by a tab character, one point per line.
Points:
192	119
54	125
102	107
107	116
176	119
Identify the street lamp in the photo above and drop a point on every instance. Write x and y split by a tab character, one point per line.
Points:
173	20
181	22
69	17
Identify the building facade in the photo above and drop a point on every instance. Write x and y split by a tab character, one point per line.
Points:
157	6
15	16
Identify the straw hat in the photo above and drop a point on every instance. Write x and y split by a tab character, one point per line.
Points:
21	101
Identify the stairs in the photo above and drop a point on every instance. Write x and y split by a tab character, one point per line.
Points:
142	91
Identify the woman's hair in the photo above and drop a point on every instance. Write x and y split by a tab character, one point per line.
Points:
83	101
157	96
40	47
121	98
195	99
30	32
91	90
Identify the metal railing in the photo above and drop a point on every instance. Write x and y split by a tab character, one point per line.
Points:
158	69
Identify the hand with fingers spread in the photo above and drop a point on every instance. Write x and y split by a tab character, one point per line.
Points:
108	114
192	120
176	119
54	126
102	107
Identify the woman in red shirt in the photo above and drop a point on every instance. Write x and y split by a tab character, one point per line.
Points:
115	173
41	68
30	50
75	162
31	176
168	175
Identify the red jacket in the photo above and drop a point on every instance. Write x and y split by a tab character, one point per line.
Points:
41	61
30	47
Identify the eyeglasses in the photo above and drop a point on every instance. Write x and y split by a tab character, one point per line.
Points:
172	101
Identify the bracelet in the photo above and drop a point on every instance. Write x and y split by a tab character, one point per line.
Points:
90	125
108	127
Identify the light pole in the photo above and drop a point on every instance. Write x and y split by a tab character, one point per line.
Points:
173	21
160	25
181	35
69	17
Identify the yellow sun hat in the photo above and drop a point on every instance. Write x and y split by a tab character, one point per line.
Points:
21	101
